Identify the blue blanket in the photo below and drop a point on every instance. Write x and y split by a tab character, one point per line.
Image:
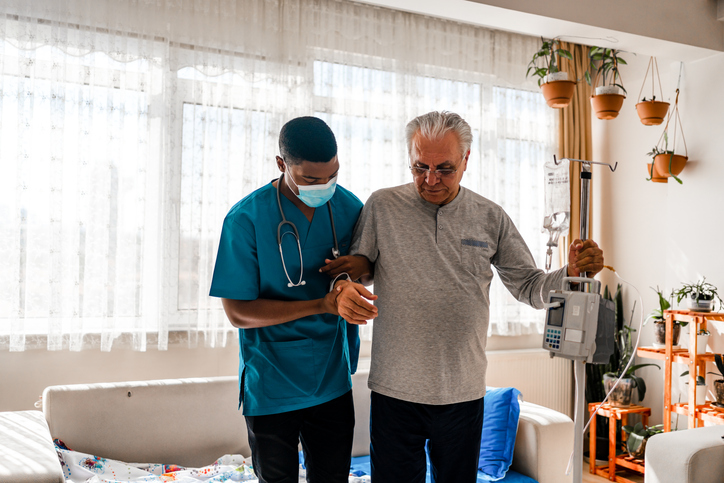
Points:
361	466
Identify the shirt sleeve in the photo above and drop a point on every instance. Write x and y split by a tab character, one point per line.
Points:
517	269
236	273
364	237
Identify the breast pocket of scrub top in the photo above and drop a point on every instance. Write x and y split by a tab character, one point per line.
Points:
289	370
475	255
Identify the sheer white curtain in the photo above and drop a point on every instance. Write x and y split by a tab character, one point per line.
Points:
129	128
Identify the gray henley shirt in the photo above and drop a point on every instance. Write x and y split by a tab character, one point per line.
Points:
432	276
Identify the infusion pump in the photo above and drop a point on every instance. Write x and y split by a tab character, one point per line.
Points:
579	325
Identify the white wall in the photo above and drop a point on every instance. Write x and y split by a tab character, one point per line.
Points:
664	28
664	234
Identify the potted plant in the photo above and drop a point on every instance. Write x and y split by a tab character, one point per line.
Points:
622	394
608	97
719	383
554	83
665	163
652	112
638	435
702	339
657	315
700	295
700	388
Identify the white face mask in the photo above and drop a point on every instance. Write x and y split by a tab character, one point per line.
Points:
314	195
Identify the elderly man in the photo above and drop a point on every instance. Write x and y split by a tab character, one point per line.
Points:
432	244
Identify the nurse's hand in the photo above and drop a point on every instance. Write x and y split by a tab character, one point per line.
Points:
356	266
352	301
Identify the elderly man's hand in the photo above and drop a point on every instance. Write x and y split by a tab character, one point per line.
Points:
353	302
584	257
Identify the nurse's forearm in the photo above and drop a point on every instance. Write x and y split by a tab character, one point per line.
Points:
250	314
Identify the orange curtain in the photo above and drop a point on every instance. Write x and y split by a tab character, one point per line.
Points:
574	136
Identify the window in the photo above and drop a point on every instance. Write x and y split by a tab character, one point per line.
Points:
122	151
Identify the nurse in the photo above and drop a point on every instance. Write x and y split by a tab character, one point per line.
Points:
296	354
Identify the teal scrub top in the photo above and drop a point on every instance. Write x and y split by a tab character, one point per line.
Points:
304	362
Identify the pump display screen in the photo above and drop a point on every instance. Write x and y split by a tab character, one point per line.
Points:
555	315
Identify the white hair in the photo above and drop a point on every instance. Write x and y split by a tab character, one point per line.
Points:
435	125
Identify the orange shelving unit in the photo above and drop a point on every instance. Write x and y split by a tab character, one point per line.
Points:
695	411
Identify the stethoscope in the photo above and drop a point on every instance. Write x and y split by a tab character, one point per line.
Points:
295	233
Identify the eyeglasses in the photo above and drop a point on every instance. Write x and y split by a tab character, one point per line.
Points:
419	172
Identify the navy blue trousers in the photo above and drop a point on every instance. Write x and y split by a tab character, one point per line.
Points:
400	430
325	431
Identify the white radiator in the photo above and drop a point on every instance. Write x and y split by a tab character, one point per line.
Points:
542	380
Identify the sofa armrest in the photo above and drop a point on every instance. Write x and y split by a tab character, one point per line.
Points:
544	444
688	456
27	454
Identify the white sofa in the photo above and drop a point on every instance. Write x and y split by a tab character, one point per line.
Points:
192	422
689	456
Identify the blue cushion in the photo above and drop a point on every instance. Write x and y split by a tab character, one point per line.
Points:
500	426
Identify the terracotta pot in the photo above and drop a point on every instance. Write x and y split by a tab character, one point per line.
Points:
558	94
660	333
719	391
657	177
652	113
607	106
661	164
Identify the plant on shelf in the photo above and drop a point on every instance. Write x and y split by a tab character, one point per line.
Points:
666	162
657	315
623	392
700	295
638	435
719	383
702	339
650	111
546	64
700	388
608	97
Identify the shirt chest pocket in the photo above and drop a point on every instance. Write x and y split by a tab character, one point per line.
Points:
475	255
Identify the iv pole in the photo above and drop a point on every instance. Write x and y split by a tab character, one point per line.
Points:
579	368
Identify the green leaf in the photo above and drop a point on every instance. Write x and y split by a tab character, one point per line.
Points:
566	54
640	386
635	367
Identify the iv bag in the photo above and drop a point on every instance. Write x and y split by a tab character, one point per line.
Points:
557	204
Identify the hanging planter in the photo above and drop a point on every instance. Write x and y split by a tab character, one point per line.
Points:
608	98
654	174
650	111
666	163
554	84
